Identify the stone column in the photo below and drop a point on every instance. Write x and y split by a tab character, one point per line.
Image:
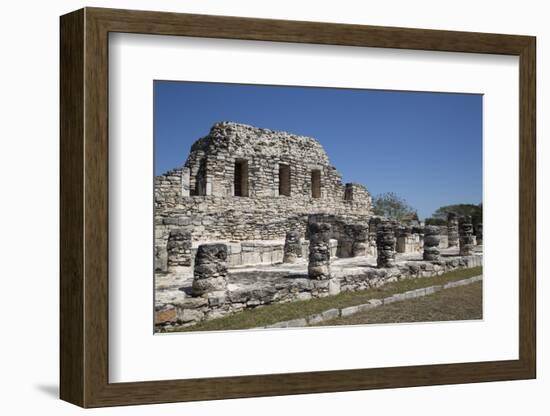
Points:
466	235
452	229
479	234
210	271
385	245
179	248
293	247
431	243
161	258
360	237
319	251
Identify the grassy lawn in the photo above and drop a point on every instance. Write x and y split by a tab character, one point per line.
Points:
459	303
274	313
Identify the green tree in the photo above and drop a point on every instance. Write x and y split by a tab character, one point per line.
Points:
475	211
392	206
435	221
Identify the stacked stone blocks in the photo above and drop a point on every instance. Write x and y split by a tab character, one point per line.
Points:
293	247
210	270
178	248
385	244
319	251
466	231
452	229
359	234
431	243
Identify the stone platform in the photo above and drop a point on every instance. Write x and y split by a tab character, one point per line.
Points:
254	286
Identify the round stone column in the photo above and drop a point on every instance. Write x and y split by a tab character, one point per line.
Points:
431	243
385	245
466	235
452	229
319	251
210	271
292	248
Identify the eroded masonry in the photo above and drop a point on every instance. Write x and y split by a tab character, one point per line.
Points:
257	216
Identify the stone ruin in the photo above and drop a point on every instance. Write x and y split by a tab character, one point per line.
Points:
431	243
452	229
385	244
319	251
466	235
256	216
210	271
293	250
248	187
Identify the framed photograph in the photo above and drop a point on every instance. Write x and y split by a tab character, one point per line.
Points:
254	207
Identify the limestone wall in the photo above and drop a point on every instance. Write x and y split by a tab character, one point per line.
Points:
283	179
216	218
212	160
171	187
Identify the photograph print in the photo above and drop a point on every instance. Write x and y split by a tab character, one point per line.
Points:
292	207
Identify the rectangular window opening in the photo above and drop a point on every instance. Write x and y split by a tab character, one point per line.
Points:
284	180
241	177
316	183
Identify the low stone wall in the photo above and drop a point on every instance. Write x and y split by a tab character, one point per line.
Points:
334	313
187	311
412	243
241	218
239	253
265	252
255	252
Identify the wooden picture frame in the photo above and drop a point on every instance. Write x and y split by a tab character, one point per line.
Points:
84	207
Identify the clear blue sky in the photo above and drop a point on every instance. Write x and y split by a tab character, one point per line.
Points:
425	147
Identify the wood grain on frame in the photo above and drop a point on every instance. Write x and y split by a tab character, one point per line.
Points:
84	207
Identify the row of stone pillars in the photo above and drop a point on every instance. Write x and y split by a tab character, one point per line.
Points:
319	252
460	233
210	271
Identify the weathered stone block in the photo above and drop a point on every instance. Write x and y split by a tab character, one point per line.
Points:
385	244
303	296
350	310
161	259
333	287
319	251
179	248
210	271
452	229
466	240
293	247
165	316
431	243
375	302
189	315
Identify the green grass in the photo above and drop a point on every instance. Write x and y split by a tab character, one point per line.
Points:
274	313
455	304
